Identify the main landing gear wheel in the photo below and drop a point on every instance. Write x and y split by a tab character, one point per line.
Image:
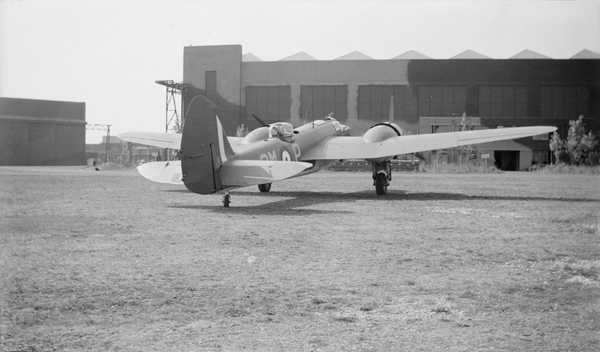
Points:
226	200
381	184
265	187
382	175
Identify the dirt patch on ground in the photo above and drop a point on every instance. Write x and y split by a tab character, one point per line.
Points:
108	261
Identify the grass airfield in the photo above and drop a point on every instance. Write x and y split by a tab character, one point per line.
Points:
445	262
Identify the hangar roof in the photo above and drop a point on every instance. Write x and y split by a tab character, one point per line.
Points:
355	55
528	54
411	55
247	57
586	54
470	54
299	56
416	55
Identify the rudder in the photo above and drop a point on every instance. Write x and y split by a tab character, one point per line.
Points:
204	147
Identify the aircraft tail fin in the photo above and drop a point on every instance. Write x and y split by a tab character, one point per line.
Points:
204	147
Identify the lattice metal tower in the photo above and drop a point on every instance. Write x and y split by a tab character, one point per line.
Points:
173	120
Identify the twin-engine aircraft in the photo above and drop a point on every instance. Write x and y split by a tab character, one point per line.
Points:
212	162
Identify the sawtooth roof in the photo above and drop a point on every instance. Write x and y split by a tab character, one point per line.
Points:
248	57
586	54
470	54
354	55
529	54
411	55
299	56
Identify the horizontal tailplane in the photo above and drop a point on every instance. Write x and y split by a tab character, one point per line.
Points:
162	171
241	173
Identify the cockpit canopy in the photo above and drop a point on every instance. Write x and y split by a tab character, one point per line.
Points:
259	134
282	130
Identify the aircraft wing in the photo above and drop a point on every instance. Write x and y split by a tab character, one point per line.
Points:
160	140
356	148
164	140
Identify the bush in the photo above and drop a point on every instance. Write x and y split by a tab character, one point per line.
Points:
579	148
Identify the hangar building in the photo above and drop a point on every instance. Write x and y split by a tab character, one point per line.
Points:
420	94
41	132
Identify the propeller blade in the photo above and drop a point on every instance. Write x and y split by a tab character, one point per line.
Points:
263	123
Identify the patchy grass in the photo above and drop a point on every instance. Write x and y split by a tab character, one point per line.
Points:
568	169
456	168
584	272
107	261
582	280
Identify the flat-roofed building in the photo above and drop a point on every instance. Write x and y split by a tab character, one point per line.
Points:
41	132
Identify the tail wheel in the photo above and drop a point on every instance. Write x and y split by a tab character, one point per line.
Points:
381	183
265	187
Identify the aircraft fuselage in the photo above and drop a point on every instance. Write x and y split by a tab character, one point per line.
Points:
305	137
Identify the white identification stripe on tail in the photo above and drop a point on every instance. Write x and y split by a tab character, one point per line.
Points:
221	140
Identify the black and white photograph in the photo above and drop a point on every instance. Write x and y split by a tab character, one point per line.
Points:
300	175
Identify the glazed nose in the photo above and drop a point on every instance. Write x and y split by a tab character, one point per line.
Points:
345	128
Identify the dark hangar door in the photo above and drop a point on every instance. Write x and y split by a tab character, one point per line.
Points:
270	103
506	160
316	102
442	100
374	103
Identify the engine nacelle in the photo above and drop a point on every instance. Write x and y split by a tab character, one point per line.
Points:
382	131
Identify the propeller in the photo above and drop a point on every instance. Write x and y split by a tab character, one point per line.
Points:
264	124
260	121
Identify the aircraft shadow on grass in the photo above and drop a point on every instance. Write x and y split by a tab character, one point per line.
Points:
296	201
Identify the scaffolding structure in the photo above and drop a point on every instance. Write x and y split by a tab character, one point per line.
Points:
173	120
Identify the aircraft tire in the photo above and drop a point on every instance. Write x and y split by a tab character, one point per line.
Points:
265	187
381	184
226	200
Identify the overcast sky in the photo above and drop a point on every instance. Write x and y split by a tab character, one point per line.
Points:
109	53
